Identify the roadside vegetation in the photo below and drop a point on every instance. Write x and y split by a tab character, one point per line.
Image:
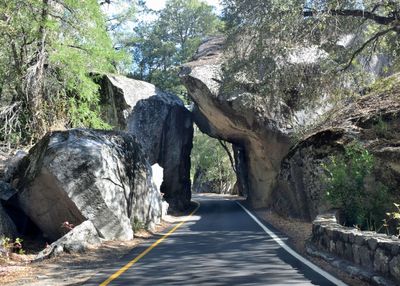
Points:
363	201
362	205
48	50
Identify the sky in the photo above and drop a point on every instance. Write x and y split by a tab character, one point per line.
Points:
159	4
112	10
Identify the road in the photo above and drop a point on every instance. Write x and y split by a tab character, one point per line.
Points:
219	245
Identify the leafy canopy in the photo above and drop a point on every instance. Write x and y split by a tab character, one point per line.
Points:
302	49
164	44
49	50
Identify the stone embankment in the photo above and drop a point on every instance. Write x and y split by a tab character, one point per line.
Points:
374	252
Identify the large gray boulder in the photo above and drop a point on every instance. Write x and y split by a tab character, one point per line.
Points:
374	121
78	175
258	126
163	126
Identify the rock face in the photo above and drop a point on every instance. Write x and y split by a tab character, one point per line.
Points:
261	128
78	175
77	240
258	127
373	120
162	125
7	226
12	165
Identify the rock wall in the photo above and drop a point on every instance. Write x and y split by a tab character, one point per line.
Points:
258	125
372	251
262	127
373	120
162	125
78	175
7	226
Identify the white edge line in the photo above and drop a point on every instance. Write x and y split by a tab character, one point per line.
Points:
292	252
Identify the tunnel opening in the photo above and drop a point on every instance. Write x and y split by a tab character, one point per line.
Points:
216	166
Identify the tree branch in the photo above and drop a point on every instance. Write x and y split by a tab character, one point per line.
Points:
105	2
78	48
383	20
370	40
229	155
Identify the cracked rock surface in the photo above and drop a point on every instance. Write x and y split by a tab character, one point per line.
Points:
78	175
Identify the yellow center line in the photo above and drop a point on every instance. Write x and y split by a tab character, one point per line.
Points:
147	250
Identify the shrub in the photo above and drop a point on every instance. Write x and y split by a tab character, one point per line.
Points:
362	204
11	246
137	224
394	216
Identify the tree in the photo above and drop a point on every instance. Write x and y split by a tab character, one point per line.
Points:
49	49
161	46
270	40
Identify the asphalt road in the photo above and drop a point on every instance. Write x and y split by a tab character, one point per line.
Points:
219	245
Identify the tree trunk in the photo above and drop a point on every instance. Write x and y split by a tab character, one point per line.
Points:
34	85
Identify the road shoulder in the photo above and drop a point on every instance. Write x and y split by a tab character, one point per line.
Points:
298	233
75	269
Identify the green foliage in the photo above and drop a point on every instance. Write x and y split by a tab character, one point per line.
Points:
161	46
137	224
84	48
385	85
299	50
210	158
11	246
381	128
394	216
49	52
362	202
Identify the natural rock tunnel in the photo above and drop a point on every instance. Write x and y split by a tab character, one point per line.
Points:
273	171
163	126
260	136
259	127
